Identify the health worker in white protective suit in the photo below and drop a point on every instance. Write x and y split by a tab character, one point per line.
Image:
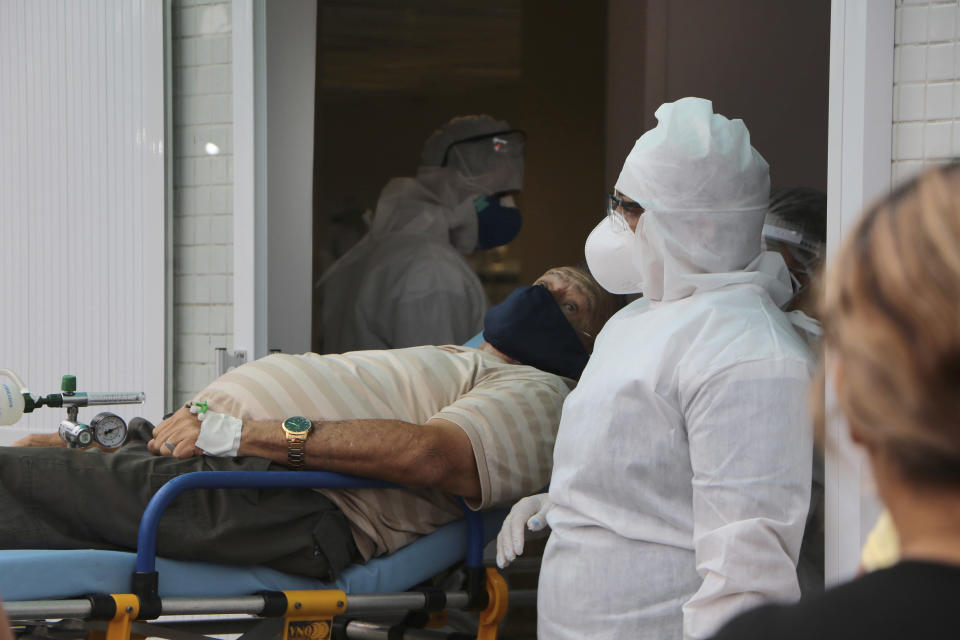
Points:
681	475
796	228
406	282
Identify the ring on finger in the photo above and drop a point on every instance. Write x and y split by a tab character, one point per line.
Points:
170	446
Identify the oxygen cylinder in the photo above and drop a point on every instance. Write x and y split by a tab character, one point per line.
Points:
11	398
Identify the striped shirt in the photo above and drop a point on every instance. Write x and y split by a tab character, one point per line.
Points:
510	413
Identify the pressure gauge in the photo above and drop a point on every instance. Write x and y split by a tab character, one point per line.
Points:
109	429
76	435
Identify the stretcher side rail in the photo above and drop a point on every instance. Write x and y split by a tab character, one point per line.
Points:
485	591
146	579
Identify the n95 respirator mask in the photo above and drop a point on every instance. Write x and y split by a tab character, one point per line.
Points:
609	253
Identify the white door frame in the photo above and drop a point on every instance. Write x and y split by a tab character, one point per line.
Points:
858	170
249	184
273	105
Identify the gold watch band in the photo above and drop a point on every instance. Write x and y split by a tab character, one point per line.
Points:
296	448
296	429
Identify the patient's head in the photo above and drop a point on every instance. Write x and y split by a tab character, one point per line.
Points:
583	301
552	324
892	319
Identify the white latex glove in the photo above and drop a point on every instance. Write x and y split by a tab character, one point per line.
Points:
530	513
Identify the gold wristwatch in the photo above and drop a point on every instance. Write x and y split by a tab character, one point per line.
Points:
296	428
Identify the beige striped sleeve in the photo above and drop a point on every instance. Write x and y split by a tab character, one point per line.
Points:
511	417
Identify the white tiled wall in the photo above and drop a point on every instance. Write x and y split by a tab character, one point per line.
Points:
203	191
926	92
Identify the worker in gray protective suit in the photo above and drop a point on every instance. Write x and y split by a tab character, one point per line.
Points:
406	282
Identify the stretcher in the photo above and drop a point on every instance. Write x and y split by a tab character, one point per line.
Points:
125	594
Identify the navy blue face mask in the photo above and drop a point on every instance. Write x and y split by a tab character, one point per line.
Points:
530	328
496	224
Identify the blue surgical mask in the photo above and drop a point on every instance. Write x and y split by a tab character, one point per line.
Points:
498	221
530	328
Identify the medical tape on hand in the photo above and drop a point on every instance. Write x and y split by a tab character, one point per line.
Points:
219	434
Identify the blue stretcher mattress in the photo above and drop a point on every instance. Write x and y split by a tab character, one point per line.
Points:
43	574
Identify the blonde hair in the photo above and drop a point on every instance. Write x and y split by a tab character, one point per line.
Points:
891	315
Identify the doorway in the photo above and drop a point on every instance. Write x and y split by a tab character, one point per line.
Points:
387	76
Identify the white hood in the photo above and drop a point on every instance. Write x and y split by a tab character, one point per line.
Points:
437	203
705	191
677	254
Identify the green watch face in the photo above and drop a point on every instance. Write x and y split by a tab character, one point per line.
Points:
297	424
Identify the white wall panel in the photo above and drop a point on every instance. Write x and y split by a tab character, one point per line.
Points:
81	198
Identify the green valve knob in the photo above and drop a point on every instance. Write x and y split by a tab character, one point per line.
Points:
68	384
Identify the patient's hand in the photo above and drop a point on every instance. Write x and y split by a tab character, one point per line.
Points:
177	436
41	440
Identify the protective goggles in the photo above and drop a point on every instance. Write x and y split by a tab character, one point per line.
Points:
511	143
806	252
621	212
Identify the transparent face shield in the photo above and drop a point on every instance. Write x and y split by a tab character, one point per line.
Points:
802	257
806	255
497	155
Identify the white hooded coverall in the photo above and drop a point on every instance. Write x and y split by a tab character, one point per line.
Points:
406	283
682	466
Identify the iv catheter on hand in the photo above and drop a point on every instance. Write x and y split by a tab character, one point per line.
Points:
107	429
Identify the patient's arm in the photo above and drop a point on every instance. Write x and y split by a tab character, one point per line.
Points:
51	440
41	440
435	455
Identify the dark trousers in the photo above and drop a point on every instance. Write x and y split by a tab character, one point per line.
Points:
58	498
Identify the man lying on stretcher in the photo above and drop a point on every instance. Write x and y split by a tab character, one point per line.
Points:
442	420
